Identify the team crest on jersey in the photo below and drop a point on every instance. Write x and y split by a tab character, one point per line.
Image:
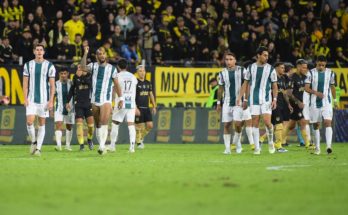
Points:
278	119
300	114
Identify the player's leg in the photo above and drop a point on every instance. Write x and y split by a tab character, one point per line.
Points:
30	118
69	122
327	114
269	130
316	120
148	126
238	123
227	117
130	116
277	122
117	118
255	113
42	112
249	127
139	126
302	125
294	117
105	112
58	133
306	117
90	128
79	131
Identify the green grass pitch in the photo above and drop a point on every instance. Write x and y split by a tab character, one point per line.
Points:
173	179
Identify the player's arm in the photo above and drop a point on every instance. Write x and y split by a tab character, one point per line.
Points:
309	90
153	102
52	92
117	89
274	82
71	93
219	97
25	84
84	59
333	88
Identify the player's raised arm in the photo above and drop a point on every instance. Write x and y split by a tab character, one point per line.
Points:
84	59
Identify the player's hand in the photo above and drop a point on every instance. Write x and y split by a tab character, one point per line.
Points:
291	109
238	103
319	94
137	112
301	105
67	106
86	49
274	104
120	104
218	108
26	102
50	105
245	105
154	111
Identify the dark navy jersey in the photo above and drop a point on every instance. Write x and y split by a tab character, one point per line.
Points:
143	92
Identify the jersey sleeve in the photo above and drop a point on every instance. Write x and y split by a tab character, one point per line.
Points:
247	73
308	78
332	78
26	70
90	67
52	72
221	80
273	76
113	72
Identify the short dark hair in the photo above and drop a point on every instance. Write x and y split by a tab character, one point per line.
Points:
261	49
122	63
230	53
39	45
321	58
278	64
64	70
301	61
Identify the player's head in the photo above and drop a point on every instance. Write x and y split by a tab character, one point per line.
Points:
63	75
321	62
39	51
230	59
141	72
262	55
302	66
280	68
122	64
101	55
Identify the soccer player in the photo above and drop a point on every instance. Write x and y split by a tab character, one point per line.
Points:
104	81
261	77
320	83
128	83
143	119
38	90
61	114
230	82
297	100
80	93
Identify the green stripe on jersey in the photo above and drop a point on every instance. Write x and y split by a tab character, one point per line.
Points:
65	96
256	92
268	85
321	82
110	83
37	90
232	77
99	84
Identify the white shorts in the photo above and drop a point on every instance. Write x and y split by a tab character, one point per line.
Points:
67	119
246	114
317	114
119	115
37	110
305	112
101	103
230	114
265	108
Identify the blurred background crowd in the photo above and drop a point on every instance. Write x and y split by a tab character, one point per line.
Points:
185	32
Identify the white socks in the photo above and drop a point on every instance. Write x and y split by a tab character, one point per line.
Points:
31	133
317	139
132	134
58	134
249	132
97	134
269	133
103	135
256	135
236	140
308	132
40	136
68	136
227	141
113	135
328	135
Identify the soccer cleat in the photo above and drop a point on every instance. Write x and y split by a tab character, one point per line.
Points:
282	150
227	152
110	148
33	147
257	152
141	146
285	145
271	148
58	148
37	153
90	144
233	146
316	152
301	144
68	148
102	151
131	150
329	151
239	150
311	147
252	147
82	147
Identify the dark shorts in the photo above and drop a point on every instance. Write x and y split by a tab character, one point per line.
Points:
145	116
296	114
83	111
286	113
277	116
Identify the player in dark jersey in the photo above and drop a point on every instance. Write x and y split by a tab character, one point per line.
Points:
296	100
143	118
81	90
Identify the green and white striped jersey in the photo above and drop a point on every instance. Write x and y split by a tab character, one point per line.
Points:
39	74
62	91
232	81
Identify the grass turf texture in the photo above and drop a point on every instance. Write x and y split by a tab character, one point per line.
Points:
173	179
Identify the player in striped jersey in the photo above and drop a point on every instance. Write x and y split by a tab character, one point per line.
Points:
262	79
320	83
230	82
104	81
128	83
61	114
38	90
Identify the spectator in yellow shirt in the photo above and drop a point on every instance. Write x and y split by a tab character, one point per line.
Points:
74	26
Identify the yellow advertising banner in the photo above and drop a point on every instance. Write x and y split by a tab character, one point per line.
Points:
7	126
189	125
163	125
213	126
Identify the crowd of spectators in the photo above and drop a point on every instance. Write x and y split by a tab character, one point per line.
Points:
186	31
